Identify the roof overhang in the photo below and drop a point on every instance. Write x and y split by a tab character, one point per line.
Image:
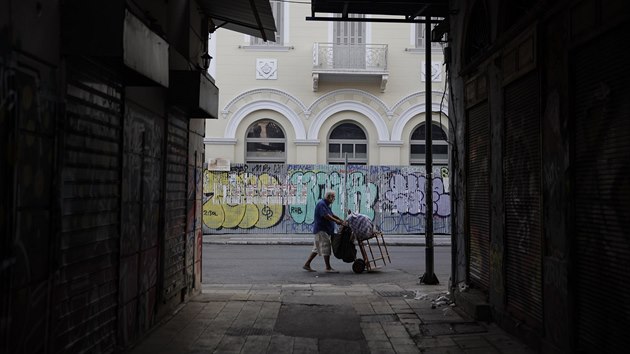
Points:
252	17
408	10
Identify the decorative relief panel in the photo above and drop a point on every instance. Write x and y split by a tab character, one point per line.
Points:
436	72
266	69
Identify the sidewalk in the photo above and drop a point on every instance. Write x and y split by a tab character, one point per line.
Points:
307	239
323	318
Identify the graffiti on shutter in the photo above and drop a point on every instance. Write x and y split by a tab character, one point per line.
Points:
85	299
522	198
175	210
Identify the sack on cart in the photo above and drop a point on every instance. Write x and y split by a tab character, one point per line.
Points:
361	225
342	246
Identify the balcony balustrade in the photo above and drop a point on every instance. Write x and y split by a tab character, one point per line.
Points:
349	60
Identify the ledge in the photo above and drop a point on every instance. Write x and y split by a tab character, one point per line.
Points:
306	142
390	143
350	75
264	48
219	141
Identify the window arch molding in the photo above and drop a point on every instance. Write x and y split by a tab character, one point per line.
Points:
246	110
408	115
370	113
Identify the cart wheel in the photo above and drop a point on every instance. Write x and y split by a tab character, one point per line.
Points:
358	266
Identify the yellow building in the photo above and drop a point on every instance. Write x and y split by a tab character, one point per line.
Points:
324	89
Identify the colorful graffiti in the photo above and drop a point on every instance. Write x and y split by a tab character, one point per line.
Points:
242	201
311	187
282	198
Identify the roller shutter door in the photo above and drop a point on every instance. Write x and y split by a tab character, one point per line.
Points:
602	193
85	299
478	194
142	203
522	198
175	230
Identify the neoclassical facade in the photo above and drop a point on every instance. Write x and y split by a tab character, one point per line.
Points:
325	92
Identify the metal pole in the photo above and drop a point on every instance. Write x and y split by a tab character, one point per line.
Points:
429	276
345	184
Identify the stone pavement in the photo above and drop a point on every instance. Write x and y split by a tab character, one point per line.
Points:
323	318
307	239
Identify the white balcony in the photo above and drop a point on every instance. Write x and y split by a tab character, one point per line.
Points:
350	62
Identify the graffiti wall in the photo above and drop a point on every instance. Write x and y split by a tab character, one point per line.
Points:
281	199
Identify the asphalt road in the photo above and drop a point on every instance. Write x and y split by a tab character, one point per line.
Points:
282	264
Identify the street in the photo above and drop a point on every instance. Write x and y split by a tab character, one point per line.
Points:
282	264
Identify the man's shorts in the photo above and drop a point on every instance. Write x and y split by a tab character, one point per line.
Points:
321	243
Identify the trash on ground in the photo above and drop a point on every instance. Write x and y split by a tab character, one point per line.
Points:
463	287
441	300
420	296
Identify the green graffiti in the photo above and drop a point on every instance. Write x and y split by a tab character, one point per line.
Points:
358	196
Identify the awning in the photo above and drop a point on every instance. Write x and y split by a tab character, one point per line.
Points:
252	17
408	9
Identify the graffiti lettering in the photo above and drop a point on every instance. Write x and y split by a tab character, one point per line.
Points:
256	196
209	212
229	208
267	212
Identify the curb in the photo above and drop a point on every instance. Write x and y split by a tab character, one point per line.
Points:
241	240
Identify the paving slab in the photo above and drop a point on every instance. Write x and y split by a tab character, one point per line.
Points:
322	318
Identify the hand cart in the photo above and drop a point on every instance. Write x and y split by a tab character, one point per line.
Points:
373	250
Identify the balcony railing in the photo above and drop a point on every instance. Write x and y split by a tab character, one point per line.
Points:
350	57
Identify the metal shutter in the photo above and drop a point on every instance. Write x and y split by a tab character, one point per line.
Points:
175	210
522	198
142	202
196	129
478	194
602	193
28	212
85	299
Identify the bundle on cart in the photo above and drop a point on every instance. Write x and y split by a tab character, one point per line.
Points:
370	241
361	225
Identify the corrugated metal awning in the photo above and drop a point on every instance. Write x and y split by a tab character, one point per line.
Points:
252	17
409	9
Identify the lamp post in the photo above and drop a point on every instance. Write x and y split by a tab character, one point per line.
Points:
428	277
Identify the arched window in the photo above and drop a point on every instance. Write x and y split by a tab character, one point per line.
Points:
265	143
440	145
347	139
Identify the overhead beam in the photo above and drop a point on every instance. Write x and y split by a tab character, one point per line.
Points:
421	11
355	19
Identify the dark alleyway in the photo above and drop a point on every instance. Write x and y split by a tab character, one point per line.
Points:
103	110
